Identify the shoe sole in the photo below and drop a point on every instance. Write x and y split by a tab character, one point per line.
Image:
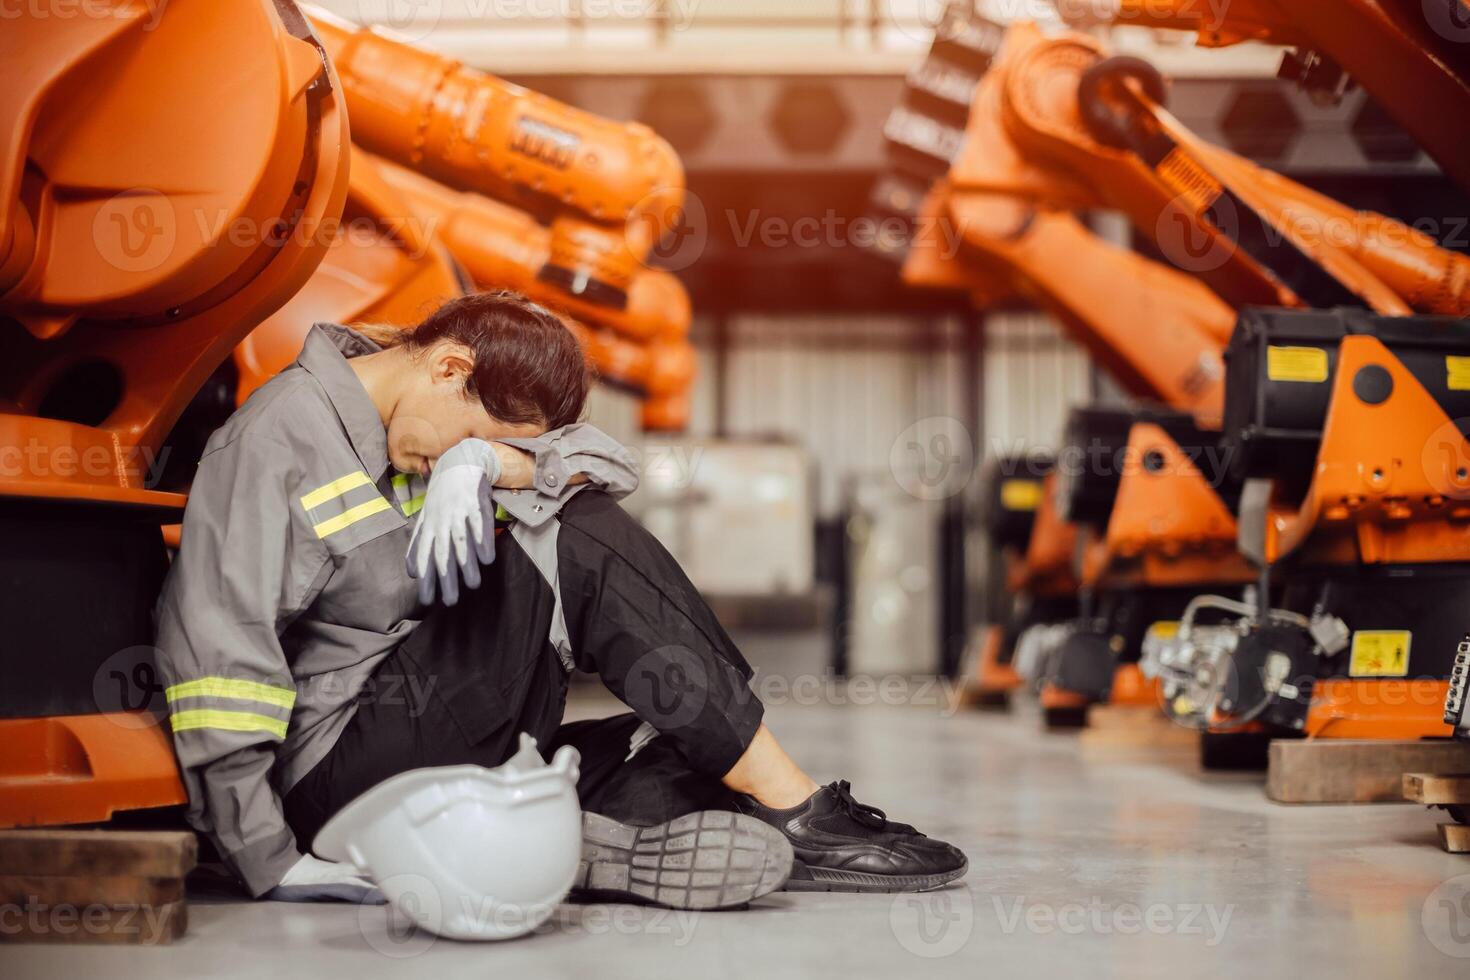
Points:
713	859
808	878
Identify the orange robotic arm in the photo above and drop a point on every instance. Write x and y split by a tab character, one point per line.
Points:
1409	55
1160	332
607	190
642	346
164	176
1093	129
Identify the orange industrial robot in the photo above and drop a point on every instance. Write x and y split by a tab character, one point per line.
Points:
1322	254
1010	242
134	254
1173	526
1372	526
1175	359
105	354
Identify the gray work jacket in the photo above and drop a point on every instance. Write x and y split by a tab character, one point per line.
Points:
290	587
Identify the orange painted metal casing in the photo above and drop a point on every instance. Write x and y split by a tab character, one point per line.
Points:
1418	74
1389	477
84	768
1168	525
608	190
1395	708
385	266
1391	267
1132	690
145	231
1160	332
165	173
1049	568
935	261
1388	487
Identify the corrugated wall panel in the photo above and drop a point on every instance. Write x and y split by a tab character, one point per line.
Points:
848	388
1033	376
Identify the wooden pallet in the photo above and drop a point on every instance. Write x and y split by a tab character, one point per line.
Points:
1437	789
1455	838
94	886
1329	770
1441	790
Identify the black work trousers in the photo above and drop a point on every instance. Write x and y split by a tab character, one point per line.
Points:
473	676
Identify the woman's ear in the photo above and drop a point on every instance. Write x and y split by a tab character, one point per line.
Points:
451	362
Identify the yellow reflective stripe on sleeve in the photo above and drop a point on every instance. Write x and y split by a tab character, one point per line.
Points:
413	506
225	687
335	489
351	516
229	721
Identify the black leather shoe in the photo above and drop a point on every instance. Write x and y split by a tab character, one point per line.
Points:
842	845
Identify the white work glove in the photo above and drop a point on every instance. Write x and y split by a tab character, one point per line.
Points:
457	522
313	880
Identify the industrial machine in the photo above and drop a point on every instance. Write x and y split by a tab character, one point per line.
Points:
126	278
1348	430
1390	273
1055	125
135	256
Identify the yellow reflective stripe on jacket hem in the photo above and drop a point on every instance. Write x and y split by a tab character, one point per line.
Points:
413	506
225	687
229	721
335	489
351	516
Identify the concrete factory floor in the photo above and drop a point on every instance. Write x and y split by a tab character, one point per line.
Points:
1078	867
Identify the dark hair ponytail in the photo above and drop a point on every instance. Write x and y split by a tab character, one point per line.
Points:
528	365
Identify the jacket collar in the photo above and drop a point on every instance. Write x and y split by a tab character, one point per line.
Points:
324	355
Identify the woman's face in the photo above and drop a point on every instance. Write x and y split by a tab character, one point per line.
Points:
433	413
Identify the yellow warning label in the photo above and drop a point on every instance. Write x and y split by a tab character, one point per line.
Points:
1164	629
1296	364
1380	653
1457	372
1020	494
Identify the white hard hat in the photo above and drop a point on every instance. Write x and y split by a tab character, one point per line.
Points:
464	851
